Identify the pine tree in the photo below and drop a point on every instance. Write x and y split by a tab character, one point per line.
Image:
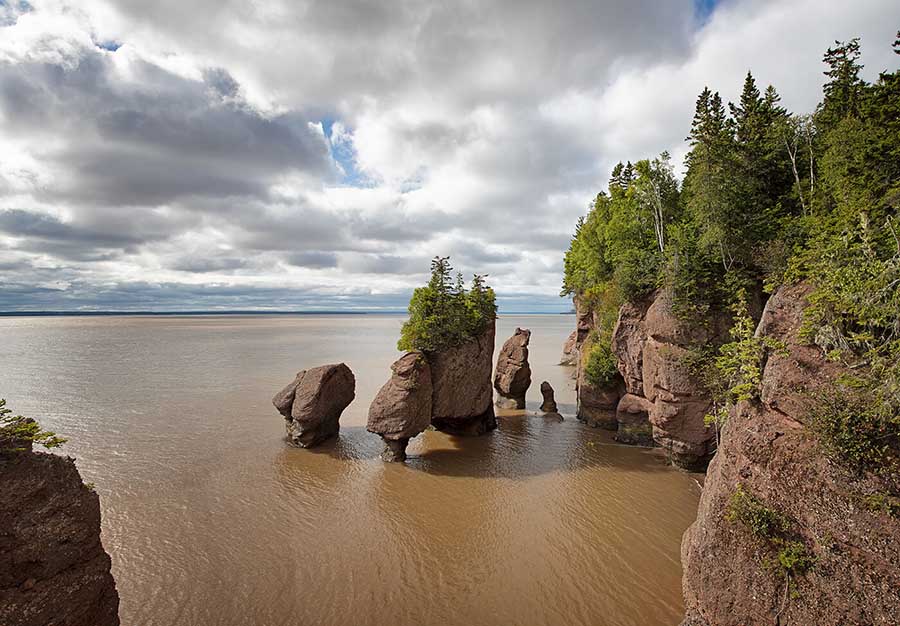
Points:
844	86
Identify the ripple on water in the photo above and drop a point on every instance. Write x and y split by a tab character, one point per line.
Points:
212	520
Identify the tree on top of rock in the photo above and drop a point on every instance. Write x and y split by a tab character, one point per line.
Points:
444	313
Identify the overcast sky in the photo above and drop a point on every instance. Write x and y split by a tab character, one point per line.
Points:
174	155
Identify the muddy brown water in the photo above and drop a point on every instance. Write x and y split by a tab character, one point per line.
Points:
211	519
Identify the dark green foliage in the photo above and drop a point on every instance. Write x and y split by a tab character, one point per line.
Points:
444	313
857	427
774	197
620	243
843	90
16	430
600	365
735	373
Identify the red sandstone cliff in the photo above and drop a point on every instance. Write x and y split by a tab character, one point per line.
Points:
53	568
768	451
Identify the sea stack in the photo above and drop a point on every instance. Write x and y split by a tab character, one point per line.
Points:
513	375
549	404
53	568
313	402
402	408
462	397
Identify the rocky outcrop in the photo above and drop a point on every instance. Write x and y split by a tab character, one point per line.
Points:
402	408
462	395
633	420
664	397
512	378
549	403
313	402
53	568
585	321
570	350
767	451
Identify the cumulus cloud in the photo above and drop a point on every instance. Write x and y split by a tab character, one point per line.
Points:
316	154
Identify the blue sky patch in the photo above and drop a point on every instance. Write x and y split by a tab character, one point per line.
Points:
343	155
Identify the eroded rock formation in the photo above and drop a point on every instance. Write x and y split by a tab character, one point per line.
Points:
570	350
766	449
53	568
512	378
402	408
633	420
664	397
462	402
549	403
313	402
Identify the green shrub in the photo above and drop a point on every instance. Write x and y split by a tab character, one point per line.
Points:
444	313
600	365
16	430
760	520
857	427
793	559
883	503
790	557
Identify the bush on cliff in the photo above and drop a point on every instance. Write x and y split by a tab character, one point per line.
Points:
16	430
444	313
600	363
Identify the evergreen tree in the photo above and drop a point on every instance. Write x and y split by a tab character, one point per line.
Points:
844	86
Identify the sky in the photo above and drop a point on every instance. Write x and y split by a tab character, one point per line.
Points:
315	155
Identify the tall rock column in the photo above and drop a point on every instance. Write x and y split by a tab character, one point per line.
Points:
663	399
512	378
462	396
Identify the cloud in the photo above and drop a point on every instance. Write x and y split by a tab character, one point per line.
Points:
160	155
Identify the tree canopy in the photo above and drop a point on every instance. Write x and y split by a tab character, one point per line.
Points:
444	313
770	197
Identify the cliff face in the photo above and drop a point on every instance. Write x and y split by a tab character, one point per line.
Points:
53	569
657	400
765	450
650	344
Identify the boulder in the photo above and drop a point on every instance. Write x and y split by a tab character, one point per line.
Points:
53	568
549	404
462	395
313	402
512	377
402	408
767	451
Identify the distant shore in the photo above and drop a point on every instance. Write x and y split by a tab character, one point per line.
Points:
251	312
